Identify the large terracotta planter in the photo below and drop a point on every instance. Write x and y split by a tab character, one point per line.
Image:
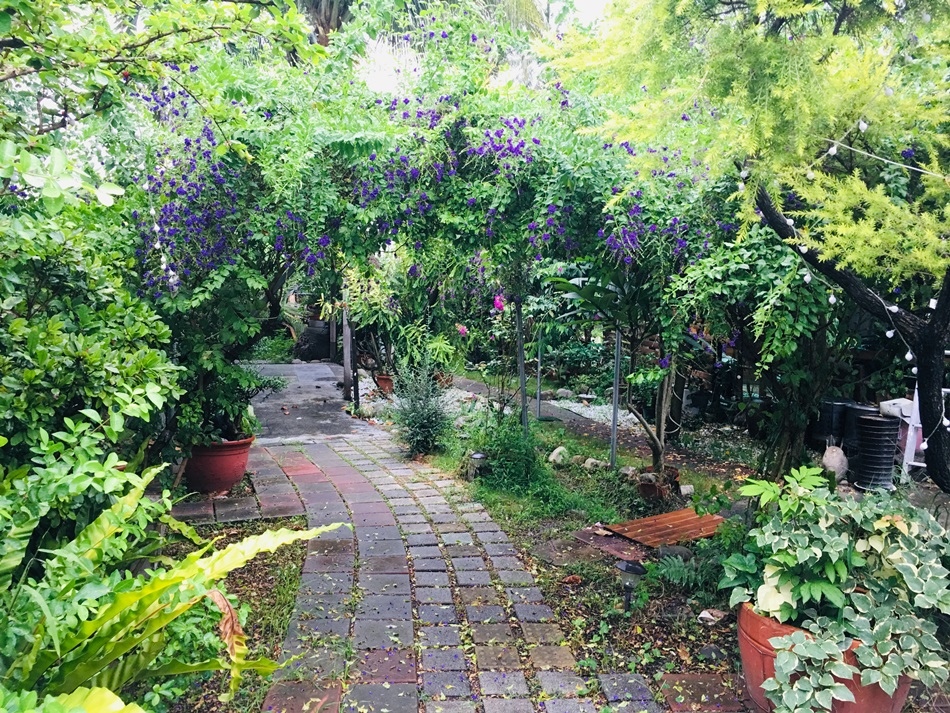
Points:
218	467
758	664
385	383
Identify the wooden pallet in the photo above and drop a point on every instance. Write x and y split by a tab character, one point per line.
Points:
668	529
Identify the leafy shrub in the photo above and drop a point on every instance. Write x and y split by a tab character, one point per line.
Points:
419	408
513	458
276	349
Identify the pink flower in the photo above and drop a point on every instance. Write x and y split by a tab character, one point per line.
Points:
463	330
499	303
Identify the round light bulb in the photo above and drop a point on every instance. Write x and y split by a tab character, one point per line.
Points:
803	249
914	371
743	174
888	92
832	299
862	126
893	308
946	422
810	175
807	277
833	150
890	333
909	356
923	446
740	187
789	221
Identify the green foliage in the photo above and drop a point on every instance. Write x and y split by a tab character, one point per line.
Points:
277	349
419	409
514	464
872	571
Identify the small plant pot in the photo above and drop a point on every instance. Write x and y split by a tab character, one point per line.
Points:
385	383
218	467
653	491
758	665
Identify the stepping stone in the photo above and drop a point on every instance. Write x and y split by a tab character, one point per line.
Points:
552	657
542	633
625	687
327	582
419	528
445	635
430	565
236	509
568	705
321	606
434	595
380	519
500	549
564	552
515	577
448	684
503	683
479	595
381	634
534	613
489	532
451	706
492	633
562	685
420	540
381	606
463	551
444	527
508	705
372	534
197	513
443	660
388	666
425	552
488	658
331	547
384	565
437	614
457	538
329	563
301	696
385	583
472	578
524	595
506	563
444	518
413	522
432	579
485	614
381	698
382	548
476	517
307	628
702	693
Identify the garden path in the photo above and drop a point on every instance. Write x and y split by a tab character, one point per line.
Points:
421	604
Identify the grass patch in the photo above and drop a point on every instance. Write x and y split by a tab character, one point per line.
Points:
277	349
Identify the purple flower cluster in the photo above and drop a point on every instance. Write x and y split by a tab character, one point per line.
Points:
506	144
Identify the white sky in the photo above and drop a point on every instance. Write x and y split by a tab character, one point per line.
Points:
590	10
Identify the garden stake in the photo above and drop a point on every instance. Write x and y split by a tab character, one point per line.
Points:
616	401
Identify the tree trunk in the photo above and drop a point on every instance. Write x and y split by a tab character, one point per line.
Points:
522	378
674	422
930	375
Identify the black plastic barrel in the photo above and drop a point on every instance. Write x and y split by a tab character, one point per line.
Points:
829	424
878	438
852	442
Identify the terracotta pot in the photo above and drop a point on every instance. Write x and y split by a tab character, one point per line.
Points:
385	383
218	467
444	378
758	664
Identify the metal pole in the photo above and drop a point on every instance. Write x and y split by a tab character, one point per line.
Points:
522	380
538	391
347	359
615	418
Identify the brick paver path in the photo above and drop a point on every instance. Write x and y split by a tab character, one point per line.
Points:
424	605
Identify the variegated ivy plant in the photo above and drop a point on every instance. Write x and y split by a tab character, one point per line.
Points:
873	570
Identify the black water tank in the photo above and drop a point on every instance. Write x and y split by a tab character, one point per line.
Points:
852	442
830	423
878	438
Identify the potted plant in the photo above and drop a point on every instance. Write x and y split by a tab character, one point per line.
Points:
838	598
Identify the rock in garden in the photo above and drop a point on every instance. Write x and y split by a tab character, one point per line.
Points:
683	553
628	471
586	397
687	490
711	652
609	393
577	460
594	464
558	456
564	394
547	395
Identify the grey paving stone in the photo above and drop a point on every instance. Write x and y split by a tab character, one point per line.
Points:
449	684
444	527
385	583
463	551
567	705
327	582
452	659
308	628
478	596
503	683
506	563
500	549
380	606
515	576
431	579
374	533
425	552
524	595
534	613
382	548
492	633
476	517
490	526
411	518
419	540
457	538
508	705
450	706
391	564
429	565
405	502
542	633
470	507
437	614
419	528
321	606
439	635
472	578
561	684
439	509
492	536
485	614
444	517
381	698
552	657
625	687
381	634
468	563
495	658
434	595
